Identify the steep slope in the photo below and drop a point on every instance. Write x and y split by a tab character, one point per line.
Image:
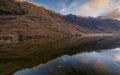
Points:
28	20
95	25
11	7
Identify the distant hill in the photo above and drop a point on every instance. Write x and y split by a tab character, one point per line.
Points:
96	25
27	20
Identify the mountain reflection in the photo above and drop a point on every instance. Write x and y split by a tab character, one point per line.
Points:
30	53
105	62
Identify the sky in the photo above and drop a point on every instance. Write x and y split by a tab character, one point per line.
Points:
94	8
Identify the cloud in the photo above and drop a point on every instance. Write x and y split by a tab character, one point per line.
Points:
98	7
22	0
93	4
63	9
115	13
100	3
85	8
72	6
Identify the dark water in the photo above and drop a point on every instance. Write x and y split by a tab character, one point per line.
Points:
105	62
62	56
101	57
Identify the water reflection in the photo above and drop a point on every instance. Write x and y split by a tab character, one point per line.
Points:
30	53
104	62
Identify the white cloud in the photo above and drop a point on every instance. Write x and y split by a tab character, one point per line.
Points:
99	3
73	7
115	13
98	7
86	7
63	10
94	4
21	0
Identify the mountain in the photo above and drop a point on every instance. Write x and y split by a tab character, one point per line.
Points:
27	20
11	7
95	25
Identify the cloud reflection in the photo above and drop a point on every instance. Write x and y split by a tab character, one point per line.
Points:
104	62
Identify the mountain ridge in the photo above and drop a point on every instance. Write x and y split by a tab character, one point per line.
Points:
98	25
26	20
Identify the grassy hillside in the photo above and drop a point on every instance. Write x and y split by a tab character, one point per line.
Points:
32	21
27	20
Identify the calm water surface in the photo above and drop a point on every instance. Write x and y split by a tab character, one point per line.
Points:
99	61
104	62
62	56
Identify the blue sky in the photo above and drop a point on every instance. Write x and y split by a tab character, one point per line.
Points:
108	8
56	5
